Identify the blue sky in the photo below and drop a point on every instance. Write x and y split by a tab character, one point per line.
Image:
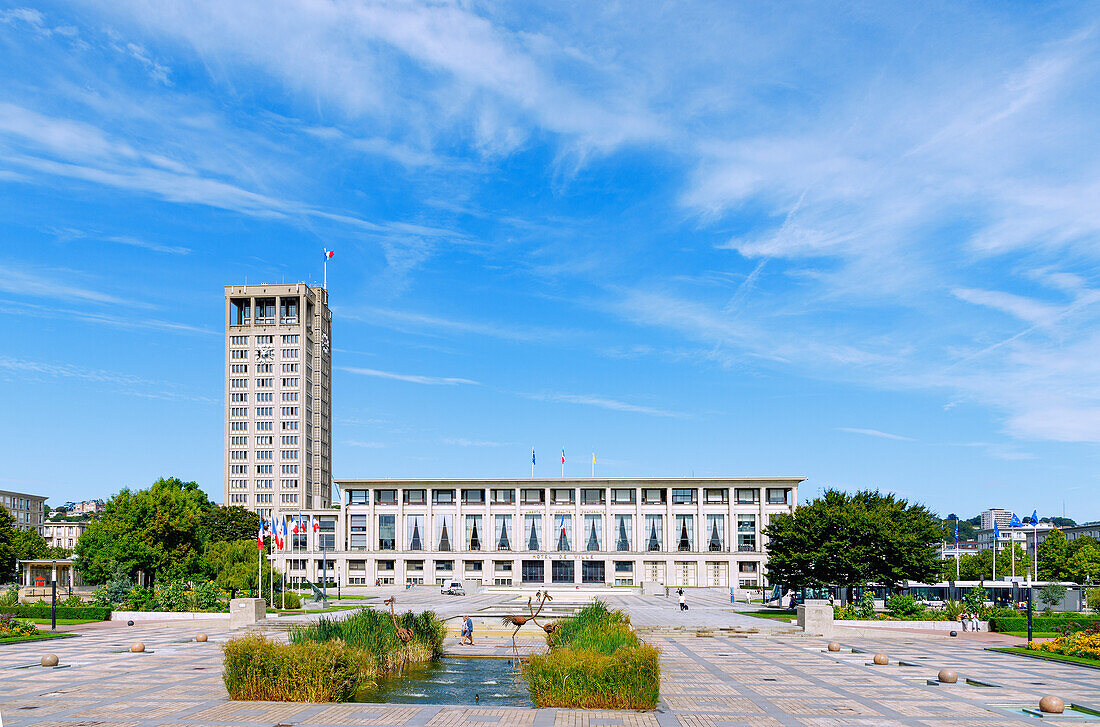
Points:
855	242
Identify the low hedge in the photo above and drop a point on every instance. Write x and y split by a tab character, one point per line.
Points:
40	610
1038	623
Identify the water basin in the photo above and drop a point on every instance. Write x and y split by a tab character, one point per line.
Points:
454	680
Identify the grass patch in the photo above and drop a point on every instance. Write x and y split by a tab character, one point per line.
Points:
1034	634
773	615
40	636
65	621
1024	651
595	662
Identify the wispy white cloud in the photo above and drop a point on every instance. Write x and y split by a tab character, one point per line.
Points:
875	433
464	442
365	445
410	378
51	284
604	402
27	370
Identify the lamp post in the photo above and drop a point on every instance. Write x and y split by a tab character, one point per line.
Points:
338	582
1029	609
53	599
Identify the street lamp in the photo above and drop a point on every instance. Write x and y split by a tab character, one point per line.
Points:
53	599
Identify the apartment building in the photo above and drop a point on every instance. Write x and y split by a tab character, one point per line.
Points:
542	532
28	510
277	397
62	533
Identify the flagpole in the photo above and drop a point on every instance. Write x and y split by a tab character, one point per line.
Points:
563	463
593	464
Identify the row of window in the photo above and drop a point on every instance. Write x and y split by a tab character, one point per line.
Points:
242	397
267	383
243	340
567	496
555	532
242	454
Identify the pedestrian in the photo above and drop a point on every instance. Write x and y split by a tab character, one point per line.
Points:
964	619
467	631
974	624
683	600
791	605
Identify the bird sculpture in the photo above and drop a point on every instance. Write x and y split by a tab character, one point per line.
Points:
519	621
549	627
403	634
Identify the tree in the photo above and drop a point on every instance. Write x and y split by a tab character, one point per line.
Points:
21	544
966	529
1052	556
159	531
1059	522
1052	594
233	565
226	523
852	540
1084	565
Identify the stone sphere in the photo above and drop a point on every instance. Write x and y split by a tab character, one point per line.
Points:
1052	705
954	633
200	637
49	660
946	676
129	623
834	646
881	659
137	647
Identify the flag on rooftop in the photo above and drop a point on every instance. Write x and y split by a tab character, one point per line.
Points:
1015	521
1034	517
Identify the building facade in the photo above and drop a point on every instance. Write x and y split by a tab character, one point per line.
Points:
62	533
278	397
543	532
995	515
28	510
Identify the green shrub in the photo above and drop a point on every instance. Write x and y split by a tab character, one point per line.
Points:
10	596
866	607
1092	598
1038	623
72	601
1052	594
119	585
975	600
293	600
256	669
141	598
99	598
204	596
904	606
42	610
171	596
629	678
952	610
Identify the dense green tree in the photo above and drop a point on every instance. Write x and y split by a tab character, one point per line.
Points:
978	565
233	565
159	531
226	523
853	539
1052	556
1083	566
1059	522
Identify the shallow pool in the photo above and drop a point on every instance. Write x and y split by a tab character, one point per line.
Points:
454	680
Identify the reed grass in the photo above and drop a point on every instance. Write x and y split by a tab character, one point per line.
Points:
329	660
596	661
258	669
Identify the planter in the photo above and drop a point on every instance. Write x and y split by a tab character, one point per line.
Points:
167	615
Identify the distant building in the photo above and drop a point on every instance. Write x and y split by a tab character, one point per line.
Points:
1092	530
88	507
1002	517
63	534
26	509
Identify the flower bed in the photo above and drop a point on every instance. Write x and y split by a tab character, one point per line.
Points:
595	662
1080	644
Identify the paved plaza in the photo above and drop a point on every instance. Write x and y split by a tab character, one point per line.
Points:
745	680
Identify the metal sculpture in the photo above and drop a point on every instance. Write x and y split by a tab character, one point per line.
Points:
403	634
519	621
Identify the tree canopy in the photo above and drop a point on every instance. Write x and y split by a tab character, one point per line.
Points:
231	522
21	544
853	539
160	531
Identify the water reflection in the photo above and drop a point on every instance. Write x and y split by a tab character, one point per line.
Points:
451	680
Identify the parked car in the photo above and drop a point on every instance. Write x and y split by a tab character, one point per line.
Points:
452	588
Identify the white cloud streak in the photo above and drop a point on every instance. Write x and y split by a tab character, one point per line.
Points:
876	433
409	378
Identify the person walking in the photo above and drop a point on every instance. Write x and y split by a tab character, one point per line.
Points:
468	630
683	600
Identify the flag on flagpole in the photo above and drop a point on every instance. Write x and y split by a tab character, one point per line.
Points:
1015	521
316	525
956	532
328	254
563	455
532	456
260	537
1034	517
293	525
